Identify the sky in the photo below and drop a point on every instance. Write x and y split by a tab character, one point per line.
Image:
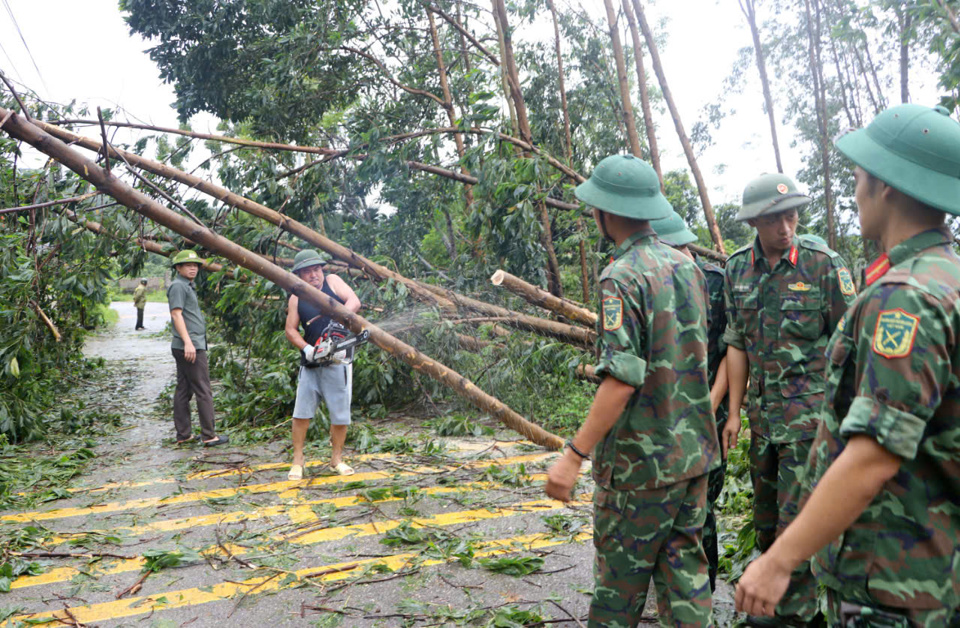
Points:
83	51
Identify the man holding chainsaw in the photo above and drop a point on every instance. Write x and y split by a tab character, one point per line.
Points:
323	372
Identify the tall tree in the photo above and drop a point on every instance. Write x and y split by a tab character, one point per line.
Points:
749	9
554	281
622	81
684	140
568	151
644	91
458	138
814	26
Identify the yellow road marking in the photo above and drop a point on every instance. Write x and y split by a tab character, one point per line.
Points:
63	574
272	487
131	607
222	473
298	509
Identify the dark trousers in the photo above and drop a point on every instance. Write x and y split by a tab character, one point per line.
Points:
193	379
139	318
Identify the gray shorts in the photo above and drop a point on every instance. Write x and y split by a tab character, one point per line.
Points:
334	383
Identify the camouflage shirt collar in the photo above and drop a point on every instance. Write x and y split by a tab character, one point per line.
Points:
756	253
905	250
910	248
644	234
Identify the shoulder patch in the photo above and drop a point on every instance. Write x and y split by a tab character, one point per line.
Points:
612	313
847	286
895	333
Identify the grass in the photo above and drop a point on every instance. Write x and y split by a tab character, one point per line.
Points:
157	296
110	315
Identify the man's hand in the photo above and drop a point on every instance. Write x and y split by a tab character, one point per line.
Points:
563	475
189	351
762	585
309	353
731	429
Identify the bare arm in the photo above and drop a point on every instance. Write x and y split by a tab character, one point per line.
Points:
345	292
720	385
180	327
291	329
737	371
846	489
608	404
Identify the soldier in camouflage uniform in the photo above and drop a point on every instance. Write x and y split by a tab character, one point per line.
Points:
884	517
673	231
784	296
650	426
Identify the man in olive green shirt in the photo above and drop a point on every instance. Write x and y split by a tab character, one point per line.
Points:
189	346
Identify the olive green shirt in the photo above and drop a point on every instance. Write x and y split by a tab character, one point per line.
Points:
182	295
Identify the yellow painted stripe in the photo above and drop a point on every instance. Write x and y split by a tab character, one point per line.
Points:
199	521
222	473
272	487
63	574
143	605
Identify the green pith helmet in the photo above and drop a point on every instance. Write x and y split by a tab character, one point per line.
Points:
187	256
625	186
770	194
307	258
673	230
914	149
143	281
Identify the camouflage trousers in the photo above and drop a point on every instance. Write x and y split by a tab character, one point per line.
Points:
776	470
844	614
714	488
644	534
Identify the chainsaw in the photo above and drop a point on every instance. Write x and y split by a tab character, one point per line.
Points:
336	344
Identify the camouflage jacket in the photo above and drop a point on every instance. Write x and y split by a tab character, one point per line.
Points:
894	375
783	318
716	347
653	335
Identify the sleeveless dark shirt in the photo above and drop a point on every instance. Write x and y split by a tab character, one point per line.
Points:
310	313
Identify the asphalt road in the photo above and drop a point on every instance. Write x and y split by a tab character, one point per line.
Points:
412	539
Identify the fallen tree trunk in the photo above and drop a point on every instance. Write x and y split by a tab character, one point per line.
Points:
572	334
434	294
543	298
33	134
714	255
251	207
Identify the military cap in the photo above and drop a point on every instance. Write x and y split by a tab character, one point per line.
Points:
625	186
307	258
673	230
187	256
914	149
770	194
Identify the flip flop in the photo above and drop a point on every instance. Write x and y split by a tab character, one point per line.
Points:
192	439
221	440
296	473
343	468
